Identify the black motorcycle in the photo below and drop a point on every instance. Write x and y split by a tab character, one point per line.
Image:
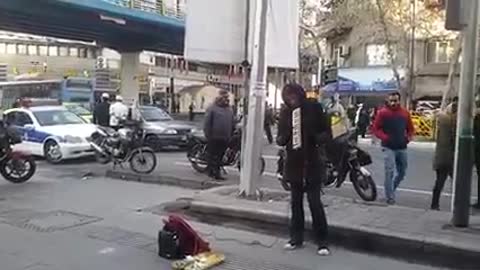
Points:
344	158
124	145
198	157
15	166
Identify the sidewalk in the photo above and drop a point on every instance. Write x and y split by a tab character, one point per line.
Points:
412	234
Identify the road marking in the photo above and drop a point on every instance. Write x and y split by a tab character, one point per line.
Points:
274	175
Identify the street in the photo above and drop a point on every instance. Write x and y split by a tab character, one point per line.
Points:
60	220
414	192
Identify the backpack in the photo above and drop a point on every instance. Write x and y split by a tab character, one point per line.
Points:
178	239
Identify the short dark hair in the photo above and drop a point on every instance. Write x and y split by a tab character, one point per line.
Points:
394	94
455	99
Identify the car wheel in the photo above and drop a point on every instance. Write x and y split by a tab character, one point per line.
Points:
52	152
153	142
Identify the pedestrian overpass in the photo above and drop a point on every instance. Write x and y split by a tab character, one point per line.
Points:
124	25
128	26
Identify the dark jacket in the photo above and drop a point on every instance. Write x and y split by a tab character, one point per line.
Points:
219	123
101	114
306	161
394	128
445	142
476	133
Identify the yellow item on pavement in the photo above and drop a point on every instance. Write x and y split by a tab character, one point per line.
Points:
202	261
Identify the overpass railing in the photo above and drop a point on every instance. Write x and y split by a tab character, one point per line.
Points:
161	7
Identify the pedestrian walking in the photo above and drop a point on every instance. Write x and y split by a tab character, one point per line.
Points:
191	114
362	121
101	112
303	129
476	133
118	113
444	150
393	126
268	122
218	127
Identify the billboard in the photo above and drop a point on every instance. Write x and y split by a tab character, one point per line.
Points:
216	31
365	80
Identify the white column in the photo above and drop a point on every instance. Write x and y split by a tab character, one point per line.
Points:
130	69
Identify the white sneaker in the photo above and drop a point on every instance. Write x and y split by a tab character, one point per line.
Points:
323	251
291	246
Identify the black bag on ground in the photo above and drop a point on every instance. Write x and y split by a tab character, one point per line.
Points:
169	245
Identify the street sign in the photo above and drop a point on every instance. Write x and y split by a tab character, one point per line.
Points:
329	75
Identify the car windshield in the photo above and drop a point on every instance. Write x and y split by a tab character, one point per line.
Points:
77	109
154	114
57	117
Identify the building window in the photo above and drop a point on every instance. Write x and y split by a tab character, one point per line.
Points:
439	51
377	55
22	49
63	51
43	50
11	49
32	50
73	52
3	47
82	52
53	50
92	53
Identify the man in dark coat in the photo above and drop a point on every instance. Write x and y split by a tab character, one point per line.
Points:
476	133
303	128
444	150
268	122
101	112
218	127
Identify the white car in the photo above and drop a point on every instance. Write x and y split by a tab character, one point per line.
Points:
52	132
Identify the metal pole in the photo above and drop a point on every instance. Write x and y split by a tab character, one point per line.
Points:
464	144
254	133
246	77
412	54
277	86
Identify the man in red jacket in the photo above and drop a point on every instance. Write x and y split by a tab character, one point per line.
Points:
393	126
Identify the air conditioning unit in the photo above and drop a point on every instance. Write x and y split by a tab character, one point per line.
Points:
344	51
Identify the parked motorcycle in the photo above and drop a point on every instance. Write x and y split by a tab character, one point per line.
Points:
124	145
198	157
15	166
344	158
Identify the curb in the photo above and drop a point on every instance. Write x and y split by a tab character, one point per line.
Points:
168	180
397	245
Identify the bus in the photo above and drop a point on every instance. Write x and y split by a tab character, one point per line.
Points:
42	89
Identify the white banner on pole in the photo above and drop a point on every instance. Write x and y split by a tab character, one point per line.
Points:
215	31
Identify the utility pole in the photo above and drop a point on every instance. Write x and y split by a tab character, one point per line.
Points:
256	106
413	22
464	142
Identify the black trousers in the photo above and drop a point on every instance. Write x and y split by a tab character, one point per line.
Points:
215	149
297	223
477	166
268	132
442	176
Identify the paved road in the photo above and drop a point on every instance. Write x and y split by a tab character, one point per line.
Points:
415	191
57	222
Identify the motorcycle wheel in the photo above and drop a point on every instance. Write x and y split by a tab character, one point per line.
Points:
143	161
195	156
13	173
364	185
262	165
101	158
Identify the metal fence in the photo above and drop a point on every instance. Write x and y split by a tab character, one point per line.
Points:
153	6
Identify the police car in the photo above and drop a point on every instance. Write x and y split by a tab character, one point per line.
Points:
52	132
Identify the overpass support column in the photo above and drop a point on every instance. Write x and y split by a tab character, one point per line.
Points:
130	70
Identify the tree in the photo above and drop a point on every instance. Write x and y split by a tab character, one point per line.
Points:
388	22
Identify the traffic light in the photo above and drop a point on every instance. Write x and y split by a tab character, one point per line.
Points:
329	75
456	14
